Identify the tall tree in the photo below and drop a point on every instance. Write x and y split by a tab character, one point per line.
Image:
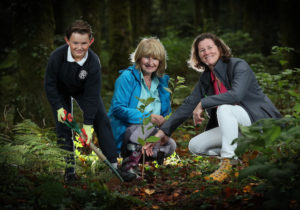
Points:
34	34
140	13
66	12
92	11
260	19
120	41
289	29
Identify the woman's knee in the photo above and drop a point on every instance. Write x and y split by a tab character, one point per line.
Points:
172	144
224	109
194	146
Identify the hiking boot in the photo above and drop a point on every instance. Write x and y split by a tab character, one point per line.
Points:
131	161
160	157
222	173
127	176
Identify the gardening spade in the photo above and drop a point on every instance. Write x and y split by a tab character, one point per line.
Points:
68	120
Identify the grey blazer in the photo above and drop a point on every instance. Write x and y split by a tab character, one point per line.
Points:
243	89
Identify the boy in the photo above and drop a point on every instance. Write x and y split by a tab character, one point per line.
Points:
74	70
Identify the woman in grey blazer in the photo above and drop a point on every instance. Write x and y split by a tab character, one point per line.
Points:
230	94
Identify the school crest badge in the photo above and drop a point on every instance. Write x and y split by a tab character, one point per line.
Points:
82	74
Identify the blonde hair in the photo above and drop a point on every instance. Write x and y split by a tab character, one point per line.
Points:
195	61
150	47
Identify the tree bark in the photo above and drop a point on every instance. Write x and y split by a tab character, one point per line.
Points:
120	31
34	42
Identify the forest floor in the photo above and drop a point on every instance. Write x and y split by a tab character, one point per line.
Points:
179	184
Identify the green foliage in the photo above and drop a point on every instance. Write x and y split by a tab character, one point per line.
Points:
178	50
278	162
283	89
27	190
282	51
146	121
33	164
240	42
176	86
10	61
32	147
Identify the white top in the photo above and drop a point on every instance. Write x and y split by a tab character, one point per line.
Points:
71	59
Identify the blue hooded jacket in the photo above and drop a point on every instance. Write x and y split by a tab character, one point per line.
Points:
123	110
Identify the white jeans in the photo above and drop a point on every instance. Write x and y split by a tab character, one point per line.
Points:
217	141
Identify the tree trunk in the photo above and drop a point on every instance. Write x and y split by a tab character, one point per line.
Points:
66	12
289	33
140	12
119	38
91	11
34	42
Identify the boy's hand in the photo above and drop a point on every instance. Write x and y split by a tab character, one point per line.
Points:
61	115
88	132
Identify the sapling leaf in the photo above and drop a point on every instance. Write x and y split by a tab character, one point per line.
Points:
169	90
141	141
142	107
180	79
143	130
143	101
149	101
181	86
146	121
152	139
151	126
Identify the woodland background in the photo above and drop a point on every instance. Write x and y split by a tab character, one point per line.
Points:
264	33
32	29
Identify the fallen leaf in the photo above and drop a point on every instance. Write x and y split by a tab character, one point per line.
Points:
175	195
247	189
195	173
149	191
174	184
155	207
186	136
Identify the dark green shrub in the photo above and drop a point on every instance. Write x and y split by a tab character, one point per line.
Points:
278	162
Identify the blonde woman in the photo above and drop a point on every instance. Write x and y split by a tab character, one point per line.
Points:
144	79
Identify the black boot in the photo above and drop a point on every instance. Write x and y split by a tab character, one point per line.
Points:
131	160
127	175
160	157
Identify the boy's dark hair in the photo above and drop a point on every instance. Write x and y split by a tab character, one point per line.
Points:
79	26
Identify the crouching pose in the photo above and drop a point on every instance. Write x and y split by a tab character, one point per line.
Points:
74	70
144	79
229	92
